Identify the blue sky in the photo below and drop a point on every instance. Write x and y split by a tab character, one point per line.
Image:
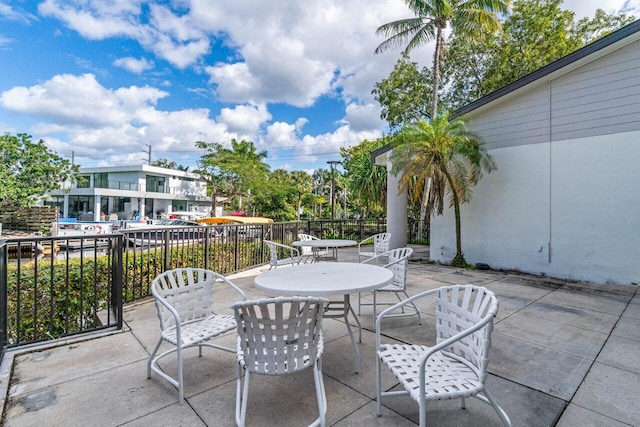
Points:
103	79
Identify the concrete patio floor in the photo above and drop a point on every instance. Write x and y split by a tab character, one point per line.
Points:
563	354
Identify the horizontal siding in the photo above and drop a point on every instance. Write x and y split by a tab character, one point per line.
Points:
522	121
620	96
601	116
601	98
630	126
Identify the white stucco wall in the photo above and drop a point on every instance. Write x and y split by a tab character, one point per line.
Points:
397	221
587	209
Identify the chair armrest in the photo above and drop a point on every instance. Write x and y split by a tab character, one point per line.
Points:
395	307
232	286
364	241
372	259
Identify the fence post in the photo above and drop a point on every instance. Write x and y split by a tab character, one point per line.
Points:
236	249
207	242
4	259
116	281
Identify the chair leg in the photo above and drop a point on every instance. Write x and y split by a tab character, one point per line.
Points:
320	394
242	392
378	388
180	376
423	412
153	354
503	415
239	422
415	307
463	403
375	314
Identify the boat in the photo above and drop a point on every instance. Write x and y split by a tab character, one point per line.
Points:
231	219
186	215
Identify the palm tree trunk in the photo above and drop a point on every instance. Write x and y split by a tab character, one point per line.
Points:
458	260
423	208
436	72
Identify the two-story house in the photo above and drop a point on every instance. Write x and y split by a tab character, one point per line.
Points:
125	191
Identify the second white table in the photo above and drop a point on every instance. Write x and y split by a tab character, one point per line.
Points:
318	244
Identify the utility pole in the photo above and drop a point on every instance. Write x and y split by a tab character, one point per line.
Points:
333	186
73	157
148	153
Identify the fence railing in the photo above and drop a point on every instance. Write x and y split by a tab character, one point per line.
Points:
52	287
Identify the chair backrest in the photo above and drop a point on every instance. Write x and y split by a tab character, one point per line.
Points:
398	263
273	251
306	250
279	335
460	307
306	237
381	242
188	290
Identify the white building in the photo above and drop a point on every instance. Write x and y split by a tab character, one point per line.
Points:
565	200
122	190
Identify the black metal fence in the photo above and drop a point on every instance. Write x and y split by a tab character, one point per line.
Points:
52	287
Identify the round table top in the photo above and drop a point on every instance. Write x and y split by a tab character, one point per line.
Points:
325	278
325	243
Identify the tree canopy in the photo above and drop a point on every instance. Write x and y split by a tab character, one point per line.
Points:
366	183
233	171
450	157
28	169
472	20
535	34
405	94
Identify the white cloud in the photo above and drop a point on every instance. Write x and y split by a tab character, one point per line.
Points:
363	117
281	135
167	34
289	51
134	65
78	100
9	13
244	119
97	20
4	41
110	126
295	52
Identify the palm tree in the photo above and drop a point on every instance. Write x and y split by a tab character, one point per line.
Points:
302	182
469	18
447	154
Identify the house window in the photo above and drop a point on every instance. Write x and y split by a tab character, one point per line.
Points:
101	180
155	183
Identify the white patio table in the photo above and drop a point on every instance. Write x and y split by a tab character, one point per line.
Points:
324	279
317	244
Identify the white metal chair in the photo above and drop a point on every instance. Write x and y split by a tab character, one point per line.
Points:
396	260
184	300
307	252
279	336
380	244
292	255
456	367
